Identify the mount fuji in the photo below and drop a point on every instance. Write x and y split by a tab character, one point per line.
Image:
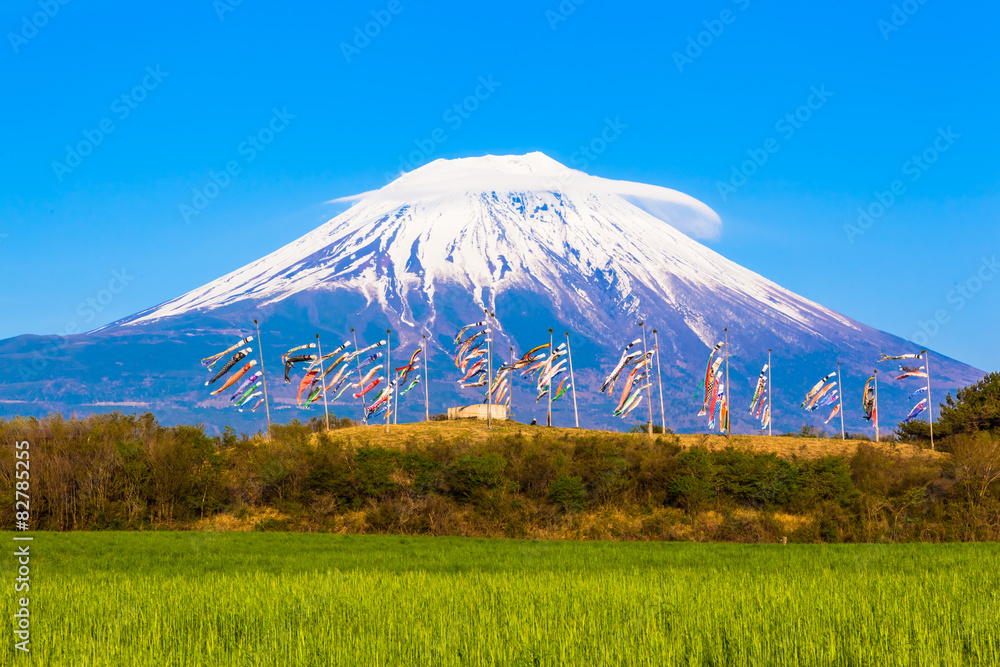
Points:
541	245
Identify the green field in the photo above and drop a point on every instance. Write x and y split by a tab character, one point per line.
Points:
190	598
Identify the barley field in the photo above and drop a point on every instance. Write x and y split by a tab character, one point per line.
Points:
197	598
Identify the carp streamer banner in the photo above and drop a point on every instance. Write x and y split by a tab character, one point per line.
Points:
712	392
471	360
626	359
917	409
760	406
868	400
836	411
818	387
208	362
248	389
707	388
824	394
886	357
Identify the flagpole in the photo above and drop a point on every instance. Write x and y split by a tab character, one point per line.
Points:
726	330
510	396
550	364
388	373
840	388
427	402
364	408
322	382
930	407
659	380
649	399
263	376
489	369
569	352
875	375
770	394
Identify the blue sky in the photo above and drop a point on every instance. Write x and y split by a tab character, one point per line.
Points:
163	95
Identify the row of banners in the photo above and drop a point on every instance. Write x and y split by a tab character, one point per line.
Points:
379	386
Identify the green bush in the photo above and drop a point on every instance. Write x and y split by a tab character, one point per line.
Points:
756	480
373	472
568	494
695	483
825	478
470	474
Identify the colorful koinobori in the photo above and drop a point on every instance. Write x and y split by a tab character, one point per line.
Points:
823	394
472	357
760	406
915	372
472	360
636	382
547	371
246	391
869	400
208	362
380	387
712	390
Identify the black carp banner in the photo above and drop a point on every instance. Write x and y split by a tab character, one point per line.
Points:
760	406
246	391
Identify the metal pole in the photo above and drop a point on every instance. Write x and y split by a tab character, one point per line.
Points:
364	408
726	330
489	369
572	381
552	350
510	396
770	396
659	380
427	402
388	374
322	383
263	377
876	406
930	406
649	400
840	388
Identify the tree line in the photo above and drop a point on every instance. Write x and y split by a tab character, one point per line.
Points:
128	472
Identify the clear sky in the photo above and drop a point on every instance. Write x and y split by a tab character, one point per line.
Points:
116	117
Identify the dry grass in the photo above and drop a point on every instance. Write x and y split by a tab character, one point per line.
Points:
474	431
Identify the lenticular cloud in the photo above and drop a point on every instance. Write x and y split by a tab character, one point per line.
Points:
537	172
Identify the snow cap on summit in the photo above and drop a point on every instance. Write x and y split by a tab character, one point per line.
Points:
538	173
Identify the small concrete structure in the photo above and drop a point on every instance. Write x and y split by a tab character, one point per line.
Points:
478	412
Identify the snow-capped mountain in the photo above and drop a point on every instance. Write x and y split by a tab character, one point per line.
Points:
492	224
542	246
